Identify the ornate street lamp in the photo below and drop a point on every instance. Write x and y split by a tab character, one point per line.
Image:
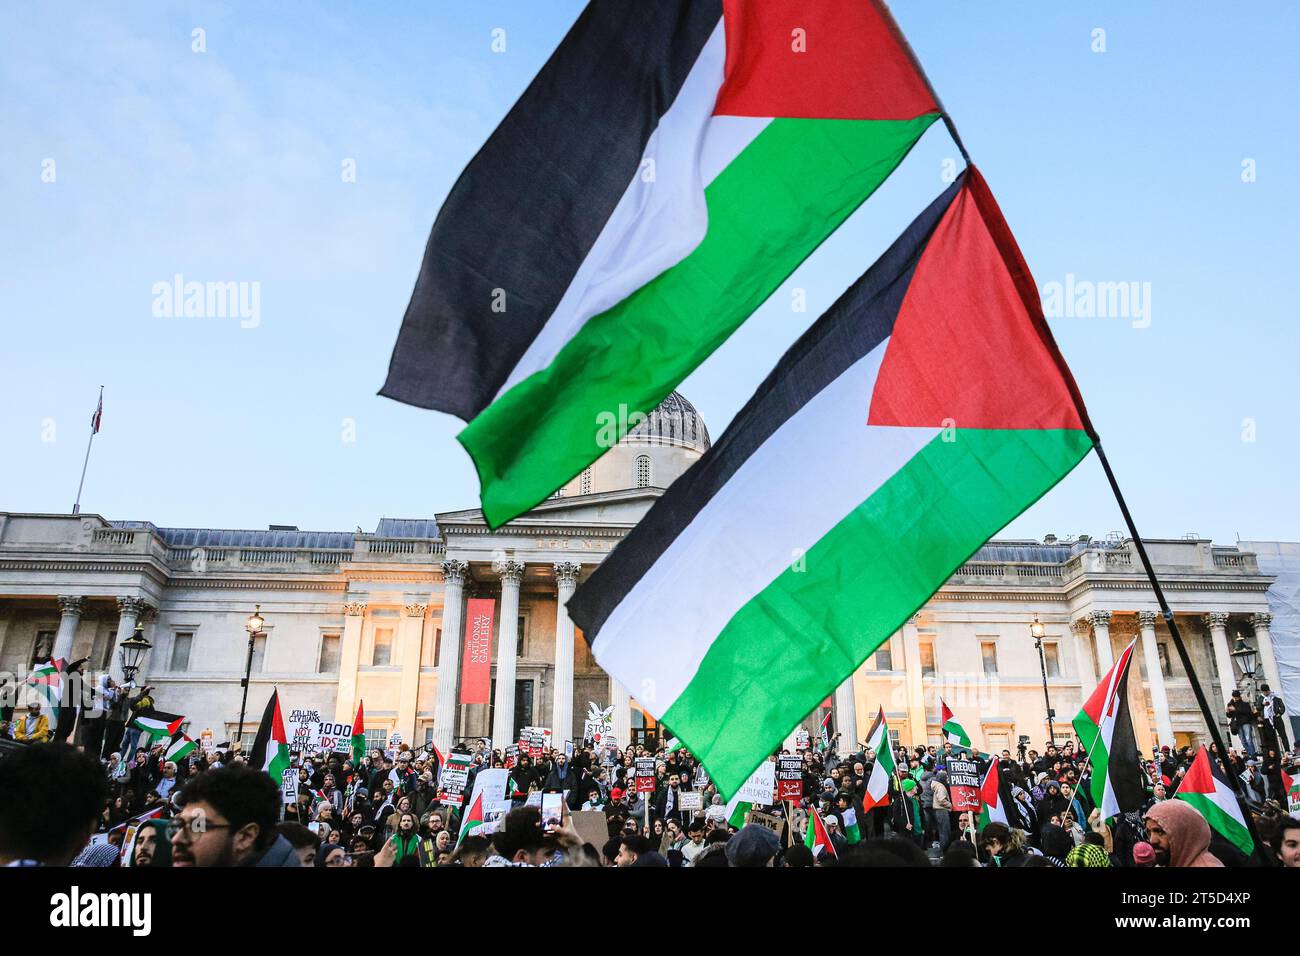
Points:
131	652
1247	659
253	626
1039	631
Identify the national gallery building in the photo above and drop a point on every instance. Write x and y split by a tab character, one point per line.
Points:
379	617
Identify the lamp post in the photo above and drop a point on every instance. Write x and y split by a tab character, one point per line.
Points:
254	627
1247	659
131	653
1039	631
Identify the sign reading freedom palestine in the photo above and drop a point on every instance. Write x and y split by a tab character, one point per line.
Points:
476	668
789	777
645	774
964	784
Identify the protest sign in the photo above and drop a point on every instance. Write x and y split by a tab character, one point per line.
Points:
452	779
645	774
690	800
963	784
801	739
299	727
789	777
760	786
598	724
289	785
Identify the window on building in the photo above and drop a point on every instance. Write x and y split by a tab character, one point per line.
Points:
259	653
182	641
382	655
437	645
884	658
376	738
989	657
519	637
330	645
1162	650
893	739
643	471
999	742
1052	659
42	647
584	482
927	658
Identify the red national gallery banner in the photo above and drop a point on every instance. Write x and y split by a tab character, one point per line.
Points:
476	668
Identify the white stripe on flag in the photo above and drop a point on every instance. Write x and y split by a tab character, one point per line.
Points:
817	467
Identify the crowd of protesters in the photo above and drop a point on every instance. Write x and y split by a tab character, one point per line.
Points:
62	804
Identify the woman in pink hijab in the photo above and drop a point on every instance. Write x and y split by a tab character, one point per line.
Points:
1179	835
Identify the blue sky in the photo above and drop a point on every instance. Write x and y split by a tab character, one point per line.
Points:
225	165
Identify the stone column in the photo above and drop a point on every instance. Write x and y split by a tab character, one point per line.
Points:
1156	679
1083	651
1217	622
503	704
1267	660
410	634
917	725
622	703
566	576
444	708
130	610
345	704
1100	621
71	606
846	717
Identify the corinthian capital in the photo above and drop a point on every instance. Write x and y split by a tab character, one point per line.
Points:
453	571
416	610
354	608
71	604
566	572
1216	619
510	572
1263	620
1099	619
1148	618
133	606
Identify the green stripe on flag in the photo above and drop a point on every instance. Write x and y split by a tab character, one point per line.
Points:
768	210
777	656
1221	821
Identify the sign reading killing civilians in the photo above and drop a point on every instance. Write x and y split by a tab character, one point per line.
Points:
645	774
309	734
964	784
789	777
476	668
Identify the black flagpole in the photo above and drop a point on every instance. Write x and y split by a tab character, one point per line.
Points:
1237	786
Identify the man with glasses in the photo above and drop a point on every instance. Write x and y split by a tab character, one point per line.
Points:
228	819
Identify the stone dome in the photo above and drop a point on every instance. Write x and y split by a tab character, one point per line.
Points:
674	422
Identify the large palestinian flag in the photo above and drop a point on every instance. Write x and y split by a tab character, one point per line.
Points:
157	724
926	409
654	184
181	746
1105	729
271	747
877	794
1207	789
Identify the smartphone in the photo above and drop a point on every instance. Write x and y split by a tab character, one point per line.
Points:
552	811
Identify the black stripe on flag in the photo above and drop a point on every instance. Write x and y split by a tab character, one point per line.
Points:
262	742
526	210
860	319
1123	762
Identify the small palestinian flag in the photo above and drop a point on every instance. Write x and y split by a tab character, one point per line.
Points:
358	737
1207	789
157	724
817	839
737	810
877	794
473	819
826	731
47	679
1105	729
271	747
852	833
668	168
180	746
953	732
992	809
927	408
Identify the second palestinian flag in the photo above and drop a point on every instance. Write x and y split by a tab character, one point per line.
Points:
1105	728
953	732
271	747
1207	789
926	409
651	188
